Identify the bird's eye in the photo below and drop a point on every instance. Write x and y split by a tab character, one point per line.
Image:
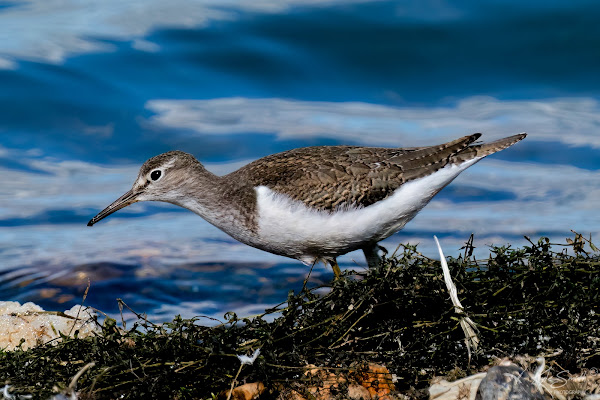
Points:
155	175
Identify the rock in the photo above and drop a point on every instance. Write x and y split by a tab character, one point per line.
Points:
248	391
358	392
462	389
30	323
508	382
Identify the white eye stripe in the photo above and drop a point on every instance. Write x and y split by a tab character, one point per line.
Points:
168	164
157	173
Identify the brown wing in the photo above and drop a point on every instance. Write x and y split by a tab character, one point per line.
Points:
333	177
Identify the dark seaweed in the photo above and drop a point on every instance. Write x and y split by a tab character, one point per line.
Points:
541	299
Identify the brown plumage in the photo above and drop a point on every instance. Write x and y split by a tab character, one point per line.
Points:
327	178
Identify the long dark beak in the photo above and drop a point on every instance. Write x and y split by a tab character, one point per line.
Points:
123	201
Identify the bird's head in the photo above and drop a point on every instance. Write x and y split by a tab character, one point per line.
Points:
161	178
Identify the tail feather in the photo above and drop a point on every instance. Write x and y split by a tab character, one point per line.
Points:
485	149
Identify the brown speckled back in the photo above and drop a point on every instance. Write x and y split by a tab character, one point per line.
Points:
333	177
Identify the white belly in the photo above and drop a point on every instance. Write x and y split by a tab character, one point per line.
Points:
289	228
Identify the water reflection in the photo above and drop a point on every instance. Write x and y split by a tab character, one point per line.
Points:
90	91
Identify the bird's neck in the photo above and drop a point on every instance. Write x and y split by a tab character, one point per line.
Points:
210	196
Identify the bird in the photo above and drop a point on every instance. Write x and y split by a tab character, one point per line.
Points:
315	203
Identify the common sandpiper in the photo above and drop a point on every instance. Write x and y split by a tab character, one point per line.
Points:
313	203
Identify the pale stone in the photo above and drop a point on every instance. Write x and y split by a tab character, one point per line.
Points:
29	322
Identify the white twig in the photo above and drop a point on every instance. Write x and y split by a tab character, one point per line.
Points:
5	394
537	377
467	325
244	360
73	384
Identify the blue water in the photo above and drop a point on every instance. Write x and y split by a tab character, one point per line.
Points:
89	91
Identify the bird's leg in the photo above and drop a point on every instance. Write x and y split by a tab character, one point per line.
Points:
372	254
336	268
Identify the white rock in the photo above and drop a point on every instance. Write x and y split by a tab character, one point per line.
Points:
465	388
35	326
